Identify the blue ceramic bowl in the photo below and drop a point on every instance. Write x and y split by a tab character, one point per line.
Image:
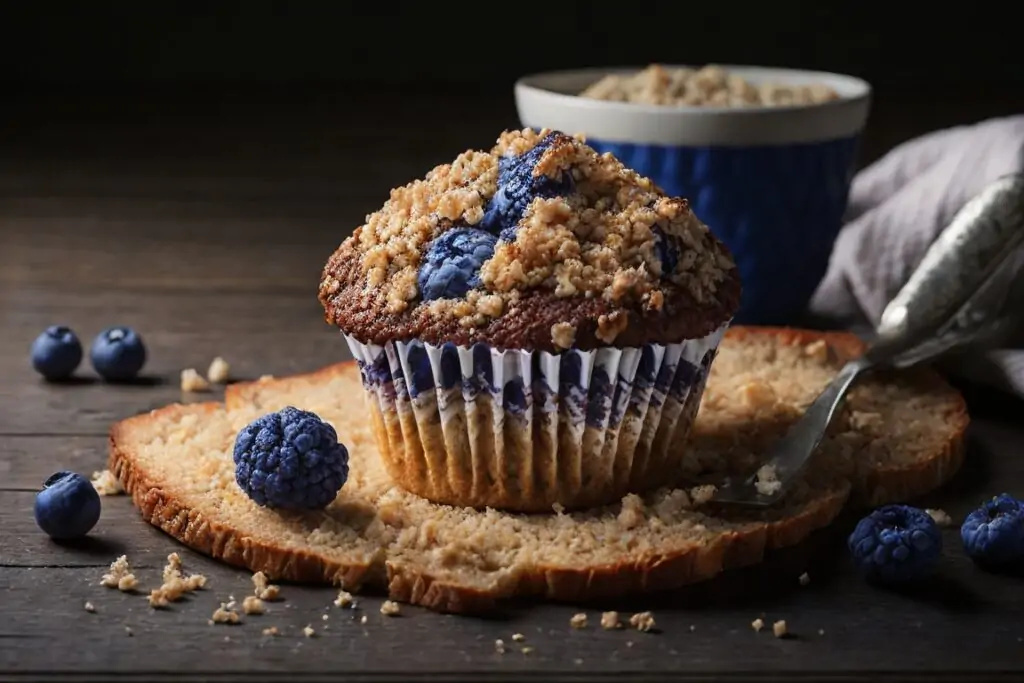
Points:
770	182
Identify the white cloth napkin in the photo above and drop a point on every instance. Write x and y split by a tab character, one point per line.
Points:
897	207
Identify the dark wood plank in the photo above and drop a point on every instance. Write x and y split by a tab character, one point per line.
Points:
26	461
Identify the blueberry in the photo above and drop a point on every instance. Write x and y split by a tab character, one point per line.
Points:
666	247
993	535
56	353
68	506
452	263
290	460
896	543
518	186
118	354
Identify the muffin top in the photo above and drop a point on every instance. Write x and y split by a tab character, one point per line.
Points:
538	244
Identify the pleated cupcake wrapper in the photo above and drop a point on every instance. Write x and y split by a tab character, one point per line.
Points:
478	426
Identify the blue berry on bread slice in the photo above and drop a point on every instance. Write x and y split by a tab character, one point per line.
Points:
993	535
56	353
118	354
68	507
291	460
896	544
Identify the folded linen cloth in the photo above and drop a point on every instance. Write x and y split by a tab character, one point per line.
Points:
897	207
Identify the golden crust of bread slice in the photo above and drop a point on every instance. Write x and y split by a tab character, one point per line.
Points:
176	464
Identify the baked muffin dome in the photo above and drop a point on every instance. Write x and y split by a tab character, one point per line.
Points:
539	244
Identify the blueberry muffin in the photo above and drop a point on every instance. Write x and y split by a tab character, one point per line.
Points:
534	325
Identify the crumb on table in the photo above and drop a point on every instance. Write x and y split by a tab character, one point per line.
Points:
264	589
120	575
253	605
518	637
578	620
219	371
175	584
272	631
89	607
779	628
757	624
642	621
225	615
610	621
308	631
766	481
941	517
106	484
390	608
193	382
499	646
805	579
344	599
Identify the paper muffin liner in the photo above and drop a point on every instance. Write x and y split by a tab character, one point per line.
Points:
528	431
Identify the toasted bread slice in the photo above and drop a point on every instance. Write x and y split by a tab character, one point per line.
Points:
176	464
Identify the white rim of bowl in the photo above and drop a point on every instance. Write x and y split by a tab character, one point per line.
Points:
548	100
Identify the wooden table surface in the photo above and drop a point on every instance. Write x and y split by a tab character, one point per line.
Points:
203	223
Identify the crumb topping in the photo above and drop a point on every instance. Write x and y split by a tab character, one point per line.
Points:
542	212
709	86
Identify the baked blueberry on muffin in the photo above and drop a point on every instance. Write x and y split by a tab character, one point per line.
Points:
535	325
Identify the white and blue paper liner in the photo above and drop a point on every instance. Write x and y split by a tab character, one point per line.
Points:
526	431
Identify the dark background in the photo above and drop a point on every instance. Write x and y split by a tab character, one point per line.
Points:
970	46
334	103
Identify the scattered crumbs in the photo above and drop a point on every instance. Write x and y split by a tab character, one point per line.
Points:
821	631
175	584
89	607
578	620
325	617
390	608
308	631
518	637
757	624
344	599
120	576
363	619
499	646
219	371
225	615
272	631
193	382
941	517
642	621
264	589
527	650
779	628
253	605
805	579
610	621
128	630
106	484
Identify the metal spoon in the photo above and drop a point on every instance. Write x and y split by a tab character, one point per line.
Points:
955	298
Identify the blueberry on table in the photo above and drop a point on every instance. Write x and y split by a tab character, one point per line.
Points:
290	460
118	354
56	353
993	535
452	264
68	507
896	543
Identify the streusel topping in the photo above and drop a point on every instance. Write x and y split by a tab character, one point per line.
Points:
709	86
541	213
